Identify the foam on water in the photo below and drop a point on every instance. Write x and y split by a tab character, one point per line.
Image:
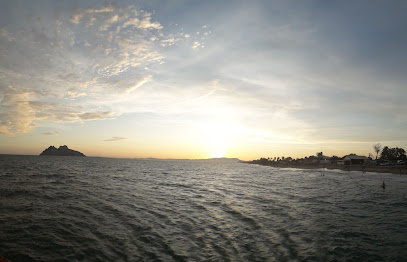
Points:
94	209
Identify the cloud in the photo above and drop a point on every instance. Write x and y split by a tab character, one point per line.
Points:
142	22
66	112
16	113
53	133
168	42
55	111
4	33
196	45
115	138
77	16
147	24
108	23
95	115
19	113
74	93
64	69
141	82
98	63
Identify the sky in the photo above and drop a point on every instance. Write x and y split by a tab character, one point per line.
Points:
201	79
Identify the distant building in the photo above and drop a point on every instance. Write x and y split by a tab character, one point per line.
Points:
323	159
326	160
353	159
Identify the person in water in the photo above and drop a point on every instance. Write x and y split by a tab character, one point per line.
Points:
383	185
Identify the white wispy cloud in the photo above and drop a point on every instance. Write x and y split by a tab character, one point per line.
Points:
104	26
4	33
95	115
115	138
53	133
20	112
16	113
196	45
143	22
80	13
60	72
137	84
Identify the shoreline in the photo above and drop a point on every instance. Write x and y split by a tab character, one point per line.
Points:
398	170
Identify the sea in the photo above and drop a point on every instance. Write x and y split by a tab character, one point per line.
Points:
103	209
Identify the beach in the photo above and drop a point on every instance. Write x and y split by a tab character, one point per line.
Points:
396	169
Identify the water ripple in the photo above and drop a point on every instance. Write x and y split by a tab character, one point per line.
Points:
93	209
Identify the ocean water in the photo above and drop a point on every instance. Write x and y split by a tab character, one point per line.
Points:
99	209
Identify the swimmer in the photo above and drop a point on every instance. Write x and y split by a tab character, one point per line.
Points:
383	185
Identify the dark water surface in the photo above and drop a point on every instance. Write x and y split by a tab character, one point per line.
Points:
96	209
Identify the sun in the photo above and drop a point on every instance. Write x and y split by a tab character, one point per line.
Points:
217	152
217	137
216	142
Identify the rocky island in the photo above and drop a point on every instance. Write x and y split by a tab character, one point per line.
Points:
61	151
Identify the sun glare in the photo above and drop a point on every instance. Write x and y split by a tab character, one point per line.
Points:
218	136
217	154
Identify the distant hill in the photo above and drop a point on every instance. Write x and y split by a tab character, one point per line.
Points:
61	151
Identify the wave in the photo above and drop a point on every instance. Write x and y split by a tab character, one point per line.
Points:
131	210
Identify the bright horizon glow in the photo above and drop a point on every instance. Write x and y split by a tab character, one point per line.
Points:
219	79
219	134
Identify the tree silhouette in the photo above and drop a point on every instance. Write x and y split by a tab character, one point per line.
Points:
377	147
393	154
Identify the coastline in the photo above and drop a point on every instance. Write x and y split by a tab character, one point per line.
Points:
399	170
